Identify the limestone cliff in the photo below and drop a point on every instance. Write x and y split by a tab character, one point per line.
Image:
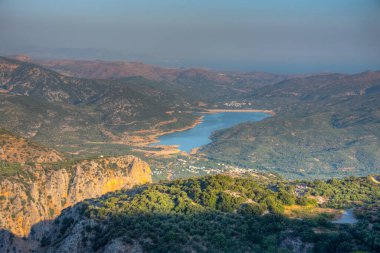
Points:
39	194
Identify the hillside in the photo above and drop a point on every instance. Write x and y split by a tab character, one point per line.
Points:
73	113
37	183
219	214
326	125
56	109
15	149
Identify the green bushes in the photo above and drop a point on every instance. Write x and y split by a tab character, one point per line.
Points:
224	214
345	192
228	203
9	169
251	209
304	201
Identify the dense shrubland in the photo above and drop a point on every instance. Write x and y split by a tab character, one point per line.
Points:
233	214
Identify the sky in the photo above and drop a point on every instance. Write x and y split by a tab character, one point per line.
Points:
283	36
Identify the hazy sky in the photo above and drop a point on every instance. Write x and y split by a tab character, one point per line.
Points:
267	35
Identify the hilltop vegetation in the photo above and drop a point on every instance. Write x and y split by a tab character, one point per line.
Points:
220	214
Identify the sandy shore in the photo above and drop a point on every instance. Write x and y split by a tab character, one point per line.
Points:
194	124
147	137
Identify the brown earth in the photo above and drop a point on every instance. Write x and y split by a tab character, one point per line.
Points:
16	149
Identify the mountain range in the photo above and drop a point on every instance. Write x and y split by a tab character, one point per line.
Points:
325	124
71	179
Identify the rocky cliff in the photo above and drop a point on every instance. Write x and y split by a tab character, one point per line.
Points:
40	194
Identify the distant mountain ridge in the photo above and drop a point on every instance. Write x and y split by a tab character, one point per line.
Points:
98	69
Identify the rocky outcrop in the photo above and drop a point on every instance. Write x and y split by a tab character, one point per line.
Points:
40	194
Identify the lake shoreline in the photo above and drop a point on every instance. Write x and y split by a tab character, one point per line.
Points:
214	120
199	120
196	122
210	111
152	139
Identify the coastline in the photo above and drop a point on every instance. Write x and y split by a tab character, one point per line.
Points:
150	137
211	111
200	119
194	124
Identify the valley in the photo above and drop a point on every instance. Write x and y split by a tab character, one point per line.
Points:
115	157
189	126
322	125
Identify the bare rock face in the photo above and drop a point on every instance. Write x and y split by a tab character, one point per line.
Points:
40	194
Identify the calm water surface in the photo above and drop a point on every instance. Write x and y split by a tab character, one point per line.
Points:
347	217
199	135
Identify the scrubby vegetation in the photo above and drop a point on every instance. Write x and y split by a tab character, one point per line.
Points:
233	214
345	192
9	169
